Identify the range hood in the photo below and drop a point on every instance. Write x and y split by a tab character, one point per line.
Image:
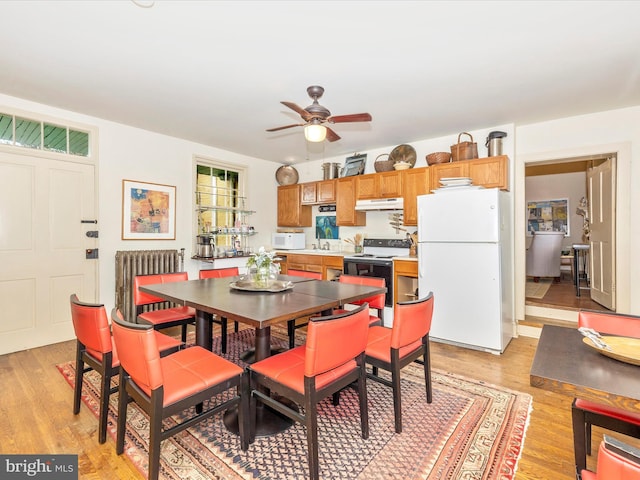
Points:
380	204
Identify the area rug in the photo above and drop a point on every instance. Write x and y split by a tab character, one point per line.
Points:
537	289
471	430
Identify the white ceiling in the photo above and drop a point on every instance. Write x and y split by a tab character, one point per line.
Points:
214	72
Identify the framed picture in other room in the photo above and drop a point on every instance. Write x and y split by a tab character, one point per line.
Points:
148	211
354	165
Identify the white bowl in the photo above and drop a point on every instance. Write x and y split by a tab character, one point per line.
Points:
401	165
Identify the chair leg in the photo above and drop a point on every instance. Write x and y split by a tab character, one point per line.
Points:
580	435
123	400
235	327
184	333
427	372
364	404
77	391
244	411
155	435
397	397
311	417
105	392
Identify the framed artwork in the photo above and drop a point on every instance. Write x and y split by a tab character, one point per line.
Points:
354	165
326	227
148	211
548	216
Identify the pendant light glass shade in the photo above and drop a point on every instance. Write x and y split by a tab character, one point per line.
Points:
315	133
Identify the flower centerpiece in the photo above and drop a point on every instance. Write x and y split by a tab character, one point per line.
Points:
263	269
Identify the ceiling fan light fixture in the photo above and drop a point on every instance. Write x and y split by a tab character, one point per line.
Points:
315	133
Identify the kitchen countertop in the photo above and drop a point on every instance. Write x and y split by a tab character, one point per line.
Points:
310	251
407	257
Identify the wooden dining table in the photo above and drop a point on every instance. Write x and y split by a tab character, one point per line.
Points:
261	310
564	364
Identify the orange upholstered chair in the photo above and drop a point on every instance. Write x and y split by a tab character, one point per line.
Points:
586	413
95	351
394	348
616	461
292	326
221	273
331	359
163	387
376	302
164	317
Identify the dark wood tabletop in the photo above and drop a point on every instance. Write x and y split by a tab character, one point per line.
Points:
563	363
214	296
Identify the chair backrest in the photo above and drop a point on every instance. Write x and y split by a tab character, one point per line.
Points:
91	326
304	273
610	323
411	321
142	298
335	340
219	273
617	461
138	352
376	301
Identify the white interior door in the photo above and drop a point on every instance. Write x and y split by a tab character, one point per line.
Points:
43	246
602	214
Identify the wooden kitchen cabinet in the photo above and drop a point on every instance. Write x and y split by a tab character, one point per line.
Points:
291	211
314	193
329	266
405	280
490	172
415	182
379	185
346	214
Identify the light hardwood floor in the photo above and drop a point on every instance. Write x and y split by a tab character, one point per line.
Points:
36	410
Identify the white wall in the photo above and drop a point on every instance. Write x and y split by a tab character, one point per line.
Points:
134	154
598	133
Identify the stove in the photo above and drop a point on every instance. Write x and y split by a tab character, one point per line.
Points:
376	260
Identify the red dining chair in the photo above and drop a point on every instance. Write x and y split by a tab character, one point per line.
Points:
157	316
585	413
292	326
616	461
163	387
221	273
394	348
95	351
331	359
376	302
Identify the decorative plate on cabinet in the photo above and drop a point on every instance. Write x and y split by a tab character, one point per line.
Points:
286	175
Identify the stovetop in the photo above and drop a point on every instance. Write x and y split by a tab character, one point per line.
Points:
383	248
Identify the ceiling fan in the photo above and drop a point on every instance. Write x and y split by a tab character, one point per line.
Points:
316	116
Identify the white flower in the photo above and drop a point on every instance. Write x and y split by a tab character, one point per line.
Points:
263	259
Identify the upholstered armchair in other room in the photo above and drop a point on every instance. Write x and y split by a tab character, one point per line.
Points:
616	461
543	256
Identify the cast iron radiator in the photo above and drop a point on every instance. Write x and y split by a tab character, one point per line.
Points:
130	263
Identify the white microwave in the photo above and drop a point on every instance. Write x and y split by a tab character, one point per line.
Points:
288	241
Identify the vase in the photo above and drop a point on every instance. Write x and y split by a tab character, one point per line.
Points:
264	277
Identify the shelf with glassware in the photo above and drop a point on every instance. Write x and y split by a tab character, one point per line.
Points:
223	217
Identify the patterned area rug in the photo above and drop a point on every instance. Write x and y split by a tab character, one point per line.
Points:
471	430
537	290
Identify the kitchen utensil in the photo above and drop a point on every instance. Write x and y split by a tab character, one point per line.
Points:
330	170
402	165
205	246
287	175
403	153
464	150
494	143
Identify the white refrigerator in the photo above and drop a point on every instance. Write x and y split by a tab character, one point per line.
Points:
465	258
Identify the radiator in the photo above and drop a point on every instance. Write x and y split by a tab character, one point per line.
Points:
130	263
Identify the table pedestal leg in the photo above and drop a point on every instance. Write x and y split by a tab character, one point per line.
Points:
204	330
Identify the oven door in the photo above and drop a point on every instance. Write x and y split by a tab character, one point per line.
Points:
368	267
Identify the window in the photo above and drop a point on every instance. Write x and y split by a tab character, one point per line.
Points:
29	133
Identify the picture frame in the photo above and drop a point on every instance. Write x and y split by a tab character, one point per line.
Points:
326	227
148	211
354	165
548	216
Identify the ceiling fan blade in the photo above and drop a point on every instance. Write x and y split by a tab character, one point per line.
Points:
331	135
286	126
354	117
300	111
